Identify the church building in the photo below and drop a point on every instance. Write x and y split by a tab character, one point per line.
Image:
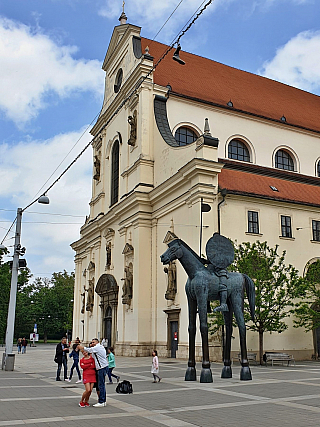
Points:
247	146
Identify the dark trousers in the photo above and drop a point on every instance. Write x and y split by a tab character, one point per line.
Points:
65	368
102	386
110	374
75	365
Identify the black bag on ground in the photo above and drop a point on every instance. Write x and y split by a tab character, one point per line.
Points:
124	387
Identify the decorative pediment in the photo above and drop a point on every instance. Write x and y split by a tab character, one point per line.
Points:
109	234
105	284
169	237
91	266
128	249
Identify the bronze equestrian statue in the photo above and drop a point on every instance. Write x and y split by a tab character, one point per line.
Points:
209	280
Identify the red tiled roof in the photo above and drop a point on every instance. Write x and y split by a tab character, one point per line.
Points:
252	184
212	82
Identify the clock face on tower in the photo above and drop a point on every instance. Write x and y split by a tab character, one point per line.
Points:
118	80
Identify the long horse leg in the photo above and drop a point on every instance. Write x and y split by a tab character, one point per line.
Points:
206	374
228	315
191	371
245	373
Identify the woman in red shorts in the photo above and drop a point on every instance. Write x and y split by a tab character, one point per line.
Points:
89	377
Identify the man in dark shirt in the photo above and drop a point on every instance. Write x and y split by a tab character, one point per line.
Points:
61	358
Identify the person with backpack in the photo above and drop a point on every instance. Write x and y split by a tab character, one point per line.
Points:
61	358
155	366
24	344
112	365
75	355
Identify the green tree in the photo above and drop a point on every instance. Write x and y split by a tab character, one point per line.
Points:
307	309
5	279
277	285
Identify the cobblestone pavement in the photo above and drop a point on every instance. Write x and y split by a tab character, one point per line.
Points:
277	396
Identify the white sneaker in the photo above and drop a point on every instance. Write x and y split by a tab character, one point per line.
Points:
100	405
69	381
79	381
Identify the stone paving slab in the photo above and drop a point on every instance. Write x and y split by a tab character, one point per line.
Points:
277	396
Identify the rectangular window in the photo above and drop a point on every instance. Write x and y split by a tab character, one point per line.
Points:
286	229
316	230
253	222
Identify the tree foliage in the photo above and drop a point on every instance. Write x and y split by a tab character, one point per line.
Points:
307	310
277	285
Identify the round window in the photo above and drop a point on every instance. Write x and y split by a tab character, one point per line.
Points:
185	136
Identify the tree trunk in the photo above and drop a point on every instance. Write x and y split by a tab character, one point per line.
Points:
45	337
261	347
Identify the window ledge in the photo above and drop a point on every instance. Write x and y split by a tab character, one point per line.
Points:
254	234
315	241
286	238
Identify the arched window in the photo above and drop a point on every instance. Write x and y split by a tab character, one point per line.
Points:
318	168
185	136
237	150
115	173
283	160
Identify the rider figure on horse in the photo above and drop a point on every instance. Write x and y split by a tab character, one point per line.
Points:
220	253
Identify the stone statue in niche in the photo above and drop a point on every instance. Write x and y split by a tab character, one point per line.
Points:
108	255
132	120
127	286
90	298
171	271
96	164
83	301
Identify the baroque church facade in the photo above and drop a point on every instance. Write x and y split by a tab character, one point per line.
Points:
249	147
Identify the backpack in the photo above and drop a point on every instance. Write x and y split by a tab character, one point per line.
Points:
125	387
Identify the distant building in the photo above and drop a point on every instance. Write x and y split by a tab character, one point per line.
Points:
155	161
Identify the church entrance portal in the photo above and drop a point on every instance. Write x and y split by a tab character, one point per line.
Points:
108	290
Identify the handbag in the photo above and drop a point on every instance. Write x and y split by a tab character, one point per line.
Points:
56	359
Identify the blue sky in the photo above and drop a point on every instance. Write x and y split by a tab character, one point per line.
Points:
51	52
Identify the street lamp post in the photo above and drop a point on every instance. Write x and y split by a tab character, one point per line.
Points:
8	356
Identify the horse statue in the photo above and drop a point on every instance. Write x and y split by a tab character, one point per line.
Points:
204	284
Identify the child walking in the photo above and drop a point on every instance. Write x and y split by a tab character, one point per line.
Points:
112	365
89	377
75	355
155	367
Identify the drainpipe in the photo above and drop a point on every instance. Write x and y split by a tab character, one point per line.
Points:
223	193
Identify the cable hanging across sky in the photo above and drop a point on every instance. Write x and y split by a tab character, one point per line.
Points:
125	100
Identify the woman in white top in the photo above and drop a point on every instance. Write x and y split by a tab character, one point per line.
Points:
155	367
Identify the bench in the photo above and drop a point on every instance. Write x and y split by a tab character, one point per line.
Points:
252	357
278	357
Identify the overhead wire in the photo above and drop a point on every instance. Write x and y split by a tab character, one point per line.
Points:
125	100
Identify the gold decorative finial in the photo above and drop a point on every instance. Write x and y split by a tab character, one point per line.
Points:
123	3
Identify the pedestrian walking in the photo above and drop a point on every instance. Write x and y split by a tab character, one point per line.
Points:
89	377
19	345
75	355
112	365
61	358
155	366
24	344
101	363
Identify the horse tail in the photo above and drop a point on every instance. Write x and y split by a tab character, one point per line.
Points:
251	294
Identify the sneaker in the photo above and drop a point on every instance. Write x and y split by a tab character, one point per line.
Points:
79	381
86	404
160	379
69	381
82	404
100	405
58	379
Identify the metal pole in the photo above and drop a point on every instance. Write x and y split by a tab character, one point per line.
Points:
200	226
13	290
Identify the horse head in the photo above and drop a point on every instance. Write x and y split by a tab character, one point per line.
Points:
173	252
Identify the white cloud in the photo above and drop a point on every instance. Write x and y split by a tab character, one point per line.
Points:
151	14
32	66
24	167
297	63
